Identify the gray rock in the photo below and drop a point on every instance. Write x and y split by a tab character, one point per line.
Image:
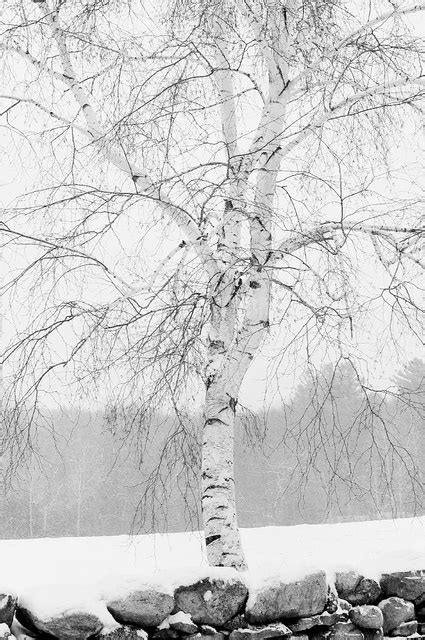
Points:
187	627
395	611
7	608
405	629
277	630
142	608
409	585
367	616
421	628
122	633
167	634
373	634
212	600
357	589
324	620
71	626
207	630
238	622
317	634
306	597
345	631
344	605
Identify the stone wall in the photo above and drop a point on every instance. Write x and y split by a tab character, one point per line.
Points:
353	607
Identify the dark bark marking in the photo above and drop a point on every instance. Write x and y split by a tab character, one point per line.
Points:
254	284
217	345
215	486
213	420
273	153
232	404
211	539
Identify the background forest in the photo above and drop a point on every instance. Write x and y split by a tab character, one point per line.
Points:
328	455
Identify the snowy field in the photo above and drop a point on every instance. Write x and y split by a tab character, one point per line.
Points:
58	574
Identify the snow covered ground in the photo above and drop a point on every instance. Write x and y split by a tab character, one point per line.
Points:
58	574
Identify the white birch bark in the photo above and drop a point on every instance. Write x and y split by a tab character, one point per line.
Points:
232	349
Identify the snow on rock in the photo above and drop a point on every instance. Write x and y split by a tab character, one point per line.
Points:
82	574
49	602
228	595
182	622
298	599
67	626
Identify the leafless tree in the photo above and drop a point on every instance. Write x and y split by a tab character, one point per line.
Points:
253	144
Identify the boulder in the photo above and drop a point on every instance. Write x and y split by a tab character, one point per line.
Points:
409	585
367	616
345	631
123	633
303	598
356	589
395	611
212	600
405	629
277	630
324	620
67	626
7	608
147	608
421	628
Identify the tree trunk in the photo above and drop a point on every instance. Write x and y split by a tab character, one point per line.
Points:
222	537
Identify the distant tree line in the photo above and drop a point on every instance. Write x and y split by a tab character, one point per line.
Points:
329	455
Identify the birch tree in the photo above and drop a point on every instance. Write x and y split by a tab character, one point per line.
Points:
253	142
